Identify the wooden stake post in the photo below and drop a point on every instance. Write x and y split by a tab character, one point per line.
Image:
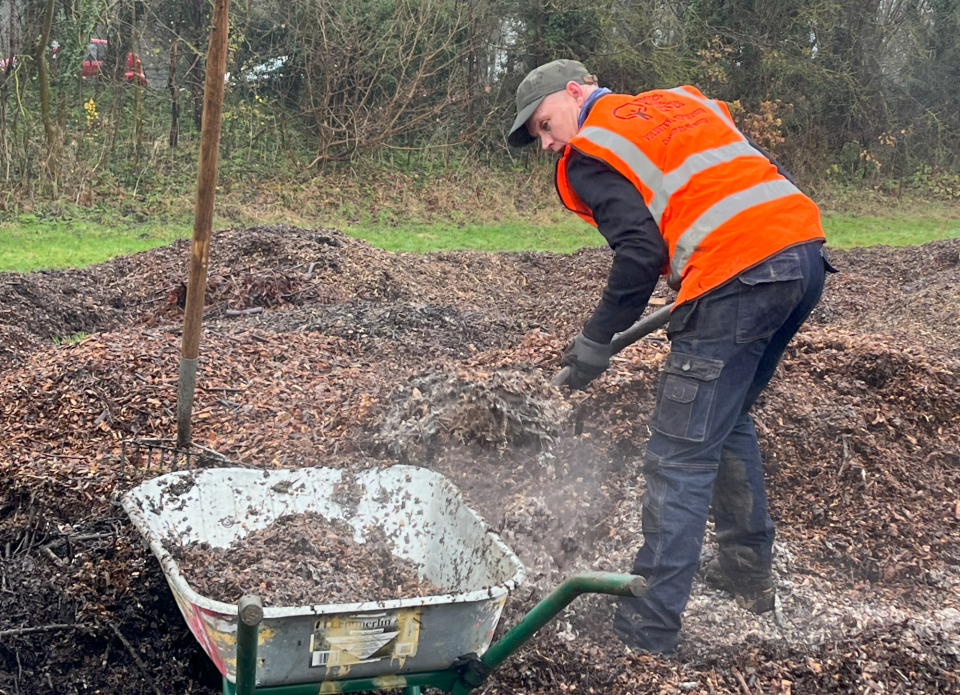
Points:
203	217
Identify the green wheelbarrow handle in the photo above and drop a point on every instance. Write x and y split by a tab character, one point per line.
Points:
546	610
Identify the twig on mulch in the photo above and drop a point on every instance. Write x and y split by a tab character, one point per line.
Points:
244	312
42	628
740	679
136	658
59	562
77	538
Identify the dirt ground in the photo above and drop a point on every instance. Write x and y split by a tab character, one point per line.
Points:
322	350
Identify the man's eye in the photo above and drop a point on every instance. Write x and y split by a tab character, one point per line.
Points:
545	125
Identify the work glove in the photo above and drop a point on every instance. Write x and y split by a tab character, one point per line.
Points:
587	360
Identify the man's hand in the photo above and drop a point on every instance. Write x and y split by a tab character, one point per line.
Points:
587	360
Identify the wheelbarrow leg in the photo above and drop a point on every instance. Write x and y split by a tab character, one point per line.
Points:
250	613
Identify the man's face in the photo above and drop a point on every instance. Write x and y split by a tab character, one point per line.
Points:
555	120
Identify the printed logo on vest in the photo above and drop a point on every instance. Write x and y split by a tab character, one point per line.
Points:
631	110
638	107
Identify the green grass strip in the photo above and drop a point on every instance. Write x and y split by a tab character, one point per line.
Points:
565	236
29	244
842	230
846	231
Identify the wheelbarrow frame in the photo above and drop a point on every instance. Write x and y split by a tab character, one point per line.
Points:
462	678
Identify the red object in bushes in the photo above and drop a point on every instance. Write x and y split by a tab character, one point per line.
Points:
97	54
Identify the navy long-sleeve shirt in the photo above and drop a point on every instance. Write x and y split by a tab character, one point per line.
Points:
640	252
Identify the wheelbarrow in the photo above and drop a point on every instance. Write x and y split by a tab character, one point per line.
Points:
441	641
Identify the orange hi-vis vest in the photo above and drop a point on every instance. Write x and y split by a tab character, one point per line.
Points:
720	204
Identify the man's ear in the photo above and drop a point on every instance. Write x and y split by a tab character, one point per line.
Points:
575	89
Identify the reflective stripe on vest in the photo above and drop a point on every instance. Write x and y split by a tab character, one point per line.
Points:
709	103
720	213
664	186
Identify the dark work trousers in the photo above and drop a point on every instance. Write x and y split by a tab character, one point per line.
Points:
725	346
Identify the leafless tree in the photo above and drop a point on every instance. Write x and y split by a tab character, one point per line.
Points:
369	77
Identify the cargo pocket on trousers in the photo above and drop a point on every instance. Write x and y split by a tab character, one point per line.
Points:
769	292
688	388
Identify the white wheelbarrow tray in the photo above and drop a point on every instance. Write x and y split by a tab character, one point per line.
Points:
419	510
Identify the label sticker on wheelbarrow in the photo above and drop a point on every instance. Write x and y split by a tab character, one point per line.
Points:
364	638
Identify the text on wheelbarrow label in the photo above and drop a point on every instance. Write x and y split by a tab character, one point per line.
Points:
363	639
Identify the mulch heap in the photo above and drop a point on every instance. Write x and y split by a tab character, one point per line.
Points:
260	268
322	350
502	408
291	562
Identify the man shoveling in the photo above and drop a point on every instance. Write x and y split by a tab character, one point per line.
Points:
676	189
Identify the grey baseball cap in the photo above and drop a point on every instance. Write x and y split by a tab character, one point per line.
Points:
539	84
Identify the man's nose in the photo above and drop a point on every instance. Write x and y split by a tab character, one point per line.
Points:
545	142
